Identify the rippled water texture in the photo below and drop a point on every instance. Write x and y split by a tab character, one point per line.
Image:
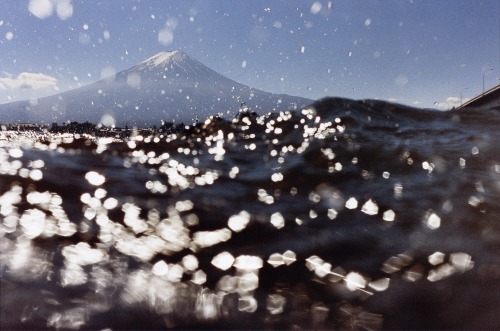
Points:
346	215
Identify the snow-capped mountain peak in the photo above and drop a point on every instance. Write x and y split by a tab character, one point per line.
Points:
169	86
160	58
170	64
163	60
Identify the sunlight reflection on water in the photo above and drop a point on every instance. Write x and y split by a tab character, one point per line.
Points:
309	227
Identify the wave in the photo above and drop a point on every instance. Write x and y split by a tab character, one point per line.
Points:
345	214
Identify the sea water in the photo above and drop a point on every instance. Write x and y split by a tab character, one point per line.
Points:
352	215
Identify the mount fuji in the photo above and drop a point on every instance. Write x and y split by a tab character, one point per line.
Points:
169	86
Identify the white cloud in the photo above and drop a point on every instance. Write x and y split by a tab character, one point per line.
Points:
450	103
28	80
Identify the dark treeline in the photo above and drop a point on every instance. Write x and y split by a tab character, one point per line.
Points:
92	129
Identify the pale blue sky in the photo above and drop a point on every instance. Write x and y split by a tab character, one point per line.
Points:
424	53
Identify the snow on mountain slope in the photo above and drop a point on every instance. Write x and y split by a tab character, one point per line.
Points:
169	86
160	58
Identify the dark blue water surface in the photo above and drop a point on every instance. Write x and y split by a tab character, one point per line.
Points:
346	215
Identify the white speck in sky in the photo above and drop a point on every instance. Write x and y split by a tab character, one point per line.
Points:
368	22
244	64
350	53
84	38
165	37
41	8
401	80
278	25
172	23
9	35
106	34
64	9
193	14
302	49
85	27
316	7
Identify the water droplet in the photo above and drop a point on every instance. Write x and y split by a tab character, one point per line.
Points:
160	268
316	7
389	215
433	221
277	220
223	261
351	203
95	178
370	208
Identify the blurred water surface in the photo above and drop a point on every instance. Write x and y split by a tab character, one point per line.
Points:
353	215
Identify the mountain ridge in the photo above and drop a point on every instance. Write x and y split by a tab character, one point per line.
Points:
168	86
